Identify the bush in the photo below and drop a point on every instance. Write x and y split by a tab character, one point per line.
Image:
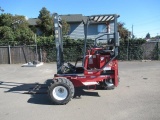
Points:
72	49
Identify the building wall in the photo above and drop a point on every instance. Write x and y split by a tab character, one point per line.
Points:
76	30
94	30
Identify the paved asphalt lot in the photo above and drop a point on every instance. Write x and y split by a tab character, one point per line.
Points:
136	98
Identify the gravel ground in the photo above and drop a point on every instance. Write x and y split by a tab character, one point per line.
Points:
136	98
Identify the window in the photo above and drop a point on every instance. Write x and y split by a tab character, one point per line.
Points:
102	28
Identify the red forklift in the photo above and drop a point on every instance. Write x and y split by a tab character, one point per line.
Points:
99	62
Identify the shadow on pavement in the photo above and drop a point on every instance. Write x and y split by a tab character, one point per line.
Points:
38	91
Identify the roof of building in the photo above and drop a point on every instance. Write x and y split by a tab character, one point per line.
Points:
33	21
72	17
76	18
68	18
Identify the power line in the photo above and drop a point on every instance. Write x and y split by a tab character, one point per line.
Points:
147	25
150	30
151	22
148	20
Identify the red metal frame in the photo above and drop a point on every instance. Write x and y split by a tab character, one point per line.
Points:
94	65
99	64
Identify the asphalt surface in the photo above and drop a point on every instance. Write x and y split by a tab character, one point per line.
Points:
136	98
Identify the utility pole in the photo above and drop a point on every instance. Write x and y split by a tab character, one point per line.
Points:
132	31
128	46
35	38
157	47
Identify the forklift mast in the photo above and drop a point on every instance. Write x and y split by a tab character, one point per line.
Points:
58	41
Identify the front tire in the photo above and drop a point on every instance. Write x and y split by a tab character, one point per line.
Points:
61	91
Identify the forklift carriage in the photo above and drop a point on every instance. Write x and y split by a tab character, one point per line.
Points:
99	63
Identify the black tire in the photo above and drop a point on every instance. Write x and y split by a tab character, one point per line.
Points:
61	91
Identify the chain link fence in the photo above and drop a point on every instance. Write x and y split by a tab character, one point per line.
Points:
131	51
138	51
127	51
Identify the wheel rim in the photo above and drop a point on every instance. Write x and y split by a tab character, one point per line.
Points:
60	93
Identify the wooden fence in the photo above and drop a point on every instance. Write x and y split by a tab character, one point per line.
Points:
17	54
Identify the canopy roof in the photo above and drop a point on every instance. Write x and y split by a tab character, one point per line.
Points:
103	18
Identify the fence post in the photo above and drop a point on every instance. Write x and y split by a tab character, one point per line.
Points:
40	55
9	54
158	50
24	54
128	50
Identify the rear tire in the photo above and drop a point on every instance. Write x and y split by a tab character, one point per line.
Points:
61	91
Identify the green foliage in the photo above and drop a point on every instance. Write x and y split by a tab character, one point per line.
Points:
6	35
46	41
1	9
6	20
19	21
123	32
24	36
156	52
34	29
45	22
14	30
148	36
72	49
47	44
66	27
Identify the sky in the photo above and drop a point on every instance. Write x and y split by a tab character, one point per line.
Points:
141	15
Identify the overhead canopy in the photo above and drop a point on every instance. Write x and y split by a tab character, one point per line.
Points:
102	18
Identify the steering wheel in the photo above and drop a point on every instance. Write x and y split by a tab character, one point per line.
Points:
65	68
71	66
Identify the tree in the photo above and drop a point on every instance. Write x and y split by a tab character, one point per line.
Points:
19	22
6	31
1	9
148	36
45	22
6	19
123	32
66	27
6	35
14	30
23	34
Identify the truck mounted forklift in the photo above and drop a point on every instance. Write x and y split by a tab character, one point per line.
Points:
99	62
